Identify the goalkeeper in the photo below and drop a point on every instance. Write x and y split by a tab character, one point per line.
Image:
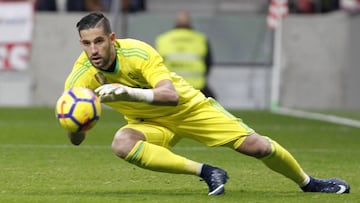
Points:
161	108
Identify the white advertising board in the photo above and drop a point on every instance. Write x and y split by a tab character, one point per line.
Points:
16	29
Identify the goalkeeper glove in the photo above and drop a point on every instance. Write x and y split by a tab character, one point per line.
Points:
117	92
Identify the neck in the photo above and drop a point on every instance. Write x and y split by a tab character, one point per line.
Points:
112	67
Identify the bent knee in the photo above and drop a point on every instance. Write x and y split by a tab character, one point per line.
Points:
256	146
117	145
124	141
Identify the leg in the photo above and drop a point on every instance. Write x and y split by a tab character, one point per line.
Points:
132	146
280	160
274	156
125	140
214	126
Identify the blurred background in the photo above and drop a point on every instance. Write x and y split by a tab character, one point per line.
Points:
318	43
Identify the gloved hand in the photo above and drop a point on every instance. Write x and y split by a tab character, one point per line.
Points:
118	92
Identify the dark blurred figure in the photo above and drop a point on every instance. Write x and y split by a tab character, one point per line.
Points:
187	52
133	6
46	5
84	5
313	6
126	6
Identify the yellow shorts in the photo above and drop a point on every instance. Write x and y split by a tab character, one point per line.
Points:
208	122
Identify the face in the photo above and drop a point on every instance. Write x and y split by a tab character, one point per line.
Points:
98	47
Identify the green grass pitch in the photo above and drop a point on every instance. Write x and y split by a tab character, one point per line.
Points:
38	163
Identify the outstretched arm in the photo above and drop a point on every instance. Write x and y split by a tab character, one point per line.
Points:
164	93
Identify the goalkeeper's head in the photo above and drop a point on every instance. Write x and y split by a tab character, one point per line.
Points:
97	40
94	20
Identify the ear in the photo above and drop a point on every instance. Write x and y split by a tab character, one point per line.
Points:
112	36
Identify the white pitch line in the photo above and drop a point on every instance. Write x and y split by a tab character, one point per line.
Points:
318	116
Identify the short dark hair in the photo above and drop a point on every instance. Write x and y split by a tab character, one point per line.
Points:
93	20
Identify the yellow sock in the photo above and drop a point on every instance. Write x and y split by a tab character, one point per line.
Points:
157	158
281	161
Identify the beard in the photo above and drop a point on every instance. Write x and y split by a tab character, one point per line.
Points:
101	62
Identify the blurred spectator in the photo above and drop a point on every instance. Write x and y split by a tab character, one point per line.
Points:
187	52
84	5
313	6
305	6
106	4
130	6
133	6
46	5
329	6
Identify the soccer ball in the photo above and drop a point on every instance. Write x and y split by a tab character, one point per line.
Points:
78	109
